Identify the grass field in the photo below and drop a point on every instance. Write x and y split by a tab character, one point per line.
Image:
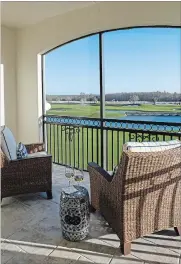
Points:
85	145
94	110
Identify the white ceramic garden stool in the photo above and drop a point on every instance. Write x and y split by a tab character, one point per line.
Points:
74	213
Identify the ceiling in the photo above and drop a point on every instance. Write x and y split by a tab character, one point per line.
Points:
25	13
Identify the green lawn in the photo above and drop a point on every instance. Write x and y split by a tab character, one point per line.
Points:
94	110
85	145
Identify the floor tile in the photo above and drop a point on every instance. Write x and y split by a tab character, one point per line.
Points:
167	239
56	260
83	260
13	217
92	249
152	253
111	239
32	247
24	258
8	251
27	235
64	254
129	259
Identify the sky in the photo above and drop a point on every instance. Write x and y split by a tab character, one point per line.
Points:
134	60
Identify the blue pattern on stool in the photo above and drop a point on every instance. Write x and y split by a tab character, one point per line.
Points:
74	214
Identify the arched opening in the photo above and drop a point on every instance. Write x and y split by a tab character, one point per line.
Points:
112	84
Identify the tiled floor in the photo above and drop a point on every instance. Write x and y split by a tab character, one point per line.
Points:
31	233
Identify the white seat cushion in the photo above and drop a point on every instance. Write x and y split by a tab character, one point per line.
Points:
37	154
8	143
152	146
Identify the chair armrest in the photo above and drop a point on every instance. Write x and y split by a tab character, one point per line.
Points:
35	147
101	171
100	184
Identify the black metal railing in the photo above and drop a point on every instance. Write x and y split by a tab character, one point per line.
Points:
75	141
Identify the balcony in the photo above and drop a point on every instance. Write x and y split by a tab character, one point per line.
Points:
30	227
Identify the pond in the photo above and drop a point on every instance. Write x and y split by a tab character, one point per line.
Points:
153	118
157	117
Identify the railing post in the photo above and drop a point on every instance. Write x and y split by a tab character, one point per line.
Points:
45	134
44	126
102	102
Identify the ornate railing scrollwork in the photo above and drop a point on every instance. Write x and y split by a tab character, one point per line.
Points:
70	131
142	137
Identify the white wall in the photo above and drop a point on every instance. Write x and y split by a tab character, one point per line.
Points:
55	31
8	59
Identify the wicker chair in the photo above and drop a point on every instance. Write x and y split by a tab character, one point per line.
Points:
29	175
143	197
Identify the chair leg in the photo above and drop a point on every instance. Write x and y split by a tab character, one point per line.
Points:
49	195
91	209
178	230
125	248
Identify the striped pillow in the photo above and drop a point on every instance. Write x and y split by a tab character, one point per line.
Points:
21	151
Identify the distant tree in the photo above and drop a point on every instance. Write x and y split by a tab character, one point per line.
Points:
155	99
69	99
134	98
95	99
91	99
90	96
83	97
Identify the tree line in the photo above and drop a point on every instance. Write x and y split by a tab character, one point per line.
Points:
131	97
145	96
